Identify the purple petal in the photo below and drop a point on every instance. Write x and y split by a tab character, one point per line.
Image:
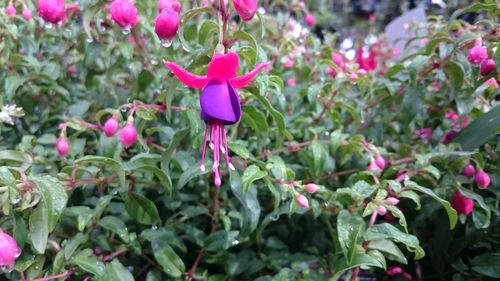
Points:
219	101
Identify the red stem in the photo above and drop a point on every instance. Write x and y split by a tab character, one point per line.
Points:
52	277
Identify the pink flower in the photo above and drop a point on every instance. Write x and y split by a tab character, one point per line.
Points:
477	54
425	133
124	13
337	59
380	162
366	59
246	9
72	70
52	11
287	62
62	146
219	100
373	166
111	126
449	136
166	25
9	251
482	179
291	82
27	14
492	82
451	115
487	67
462	204
128	135
381	210
169	5
302	200
393	270
311	188
469	171
392	201
10	10
310	20
302	5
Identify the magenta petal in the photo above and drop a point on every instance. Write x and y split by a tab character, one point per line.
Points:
219	101
243	80
223	66
189	79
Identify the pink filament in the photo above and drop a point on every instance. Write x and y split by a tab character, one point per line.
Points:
218	144
202	161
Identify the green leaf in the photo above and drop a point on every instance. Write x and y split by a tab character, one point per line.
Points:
141	209
39	228
277	116
107	162
148	114
251	174
412	195
12	83
472	8
350	228
388	231
480	131
487	265
73	244
390	250
182	23
340	266
452	214
455	74
255	118
89	264
165	180
116	271
117	226
169	261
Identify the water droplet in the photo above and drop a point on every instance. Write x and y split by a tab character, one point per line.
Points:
126	30
6	269
48	25
154	227
14	201
89	40
235	242
166	43
202	168
231	166
59	24
154	62
275	217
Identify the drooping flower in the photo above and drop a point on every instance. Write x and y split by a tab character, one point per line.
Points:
393	201
311	188
111	126
487	67
167	24
310	20
10	10
291	82
482	179
169	5
9	251
373	166
469	171
381	210
128	135
366	59
462	204
477	54
246	9
27	14
124	13
219	101
52	11
380	161
302	200
62	146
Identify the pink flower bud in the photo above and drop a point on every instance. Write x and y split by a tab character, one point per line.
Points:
72	70
128	135
477	54
291	82
51	10
380	161
373	166
311	188
381	210
302	5
169	5
492	82
9	251
166	25
62	146
469	171
482	179
462	204
26	14
310	20
246	9
124	13
394	270
353	76
287	62
487	67
111	127
392	201
302	200
10	10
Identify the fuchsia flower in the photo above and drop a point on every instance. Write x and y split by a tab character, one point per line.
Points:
310	20
124	13
10	10
219	101
477	54
393	201
167	24
451	115
291	82
395	270
62	146
9	251
381	210
380	161
462	204
366	60
111	126
492	82
128	135
487	67
311	188
246	9
27	14
169	5
302	200
373	166
52	11
469	171
482	179
72	70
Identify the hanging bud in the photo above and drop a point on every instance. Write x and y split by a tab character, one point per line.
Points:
51	11
477	54
27	14
392	201
381	210
169	5
482	179
487	67
62	146
246	9
462	204
302	200
373	166
166	25
111	126
380	161
311	188
124	13
128	135
9	251
469	171
10	11
310	20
